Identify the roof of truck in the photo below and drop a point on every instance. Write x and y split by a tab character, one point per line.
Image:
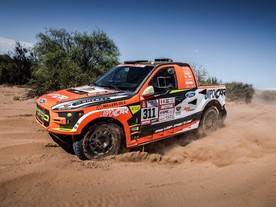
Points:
159	61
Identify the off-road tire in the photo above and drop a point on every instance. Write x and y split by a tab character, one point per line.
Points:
102	140
209	121
78	149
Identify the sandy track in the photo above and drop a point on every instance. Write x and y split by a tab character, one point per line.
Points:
235	166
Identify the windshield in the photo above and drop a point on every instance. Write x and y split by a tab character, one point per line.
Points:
124	77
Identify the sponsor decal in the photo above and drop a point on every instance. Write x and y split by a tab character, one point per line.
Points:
152	103
57	96
167	101
90	100
186	71
115	112
165	111
168	127
146	122
158	130
187	122
166	114
190	94
43	100
177	125
189	79
134	128
109	105
187	109
173	126
87	101
88	89
134	109
99	93
41	115
215	93
178	111
177	91
188	76
92	91
167	106
178	108
166	117
144	105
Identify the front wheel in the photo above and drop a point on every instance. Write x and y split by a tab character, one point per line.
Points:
78	149
209	121
102	140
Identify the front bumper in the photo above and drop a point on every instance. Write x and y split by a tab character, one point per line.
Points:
61	122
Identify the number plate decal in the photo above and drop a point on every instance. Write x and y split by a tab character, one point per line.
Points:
149	113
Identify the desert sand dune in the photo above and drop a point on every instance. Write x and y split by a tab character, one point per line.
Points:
235	166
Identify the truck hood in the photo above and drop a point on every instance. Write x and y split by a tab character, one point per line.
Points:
79	97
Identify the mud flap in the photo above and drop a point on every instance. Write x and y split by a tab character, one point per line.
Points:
222	116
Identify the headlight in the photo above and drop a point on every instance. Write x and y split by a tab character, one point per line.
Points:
70	118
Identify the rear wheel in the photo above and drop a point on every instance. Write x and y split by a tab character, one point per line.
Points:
102	140
209	121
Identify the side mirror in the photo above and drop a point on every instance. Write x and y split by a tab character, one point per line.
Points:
149	91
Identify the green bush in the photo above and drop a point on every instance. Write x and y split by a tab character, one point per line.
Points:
15	68
56	71
70	59
238	91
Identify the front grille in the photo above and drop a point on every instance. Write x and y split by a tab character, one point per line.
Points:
42	115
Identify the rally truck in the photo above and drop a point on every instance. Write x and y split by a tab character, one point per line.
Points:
133	104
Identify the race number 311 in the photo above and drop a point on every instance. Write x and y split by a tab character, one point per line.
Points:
149	113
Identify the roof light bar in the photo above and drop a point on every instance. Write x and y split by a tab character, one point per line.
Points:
136	61
163	60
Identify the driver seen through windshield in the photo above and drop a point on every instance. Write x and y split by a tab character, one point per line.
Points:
124	78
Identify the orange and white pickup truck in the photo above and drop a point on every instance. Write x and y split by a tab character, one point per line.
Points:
135	103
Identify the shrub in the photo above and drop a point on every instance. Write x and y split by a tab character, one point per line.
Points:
238	91
15	68
70	59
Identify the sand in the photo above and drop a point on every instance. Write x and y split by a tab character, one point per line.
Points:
235	166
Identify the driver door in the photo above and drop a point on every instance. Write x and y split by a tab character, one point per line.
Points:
158	108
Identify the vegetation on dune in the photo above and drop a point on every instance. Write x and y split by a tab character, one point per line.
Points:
238	91
61	59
